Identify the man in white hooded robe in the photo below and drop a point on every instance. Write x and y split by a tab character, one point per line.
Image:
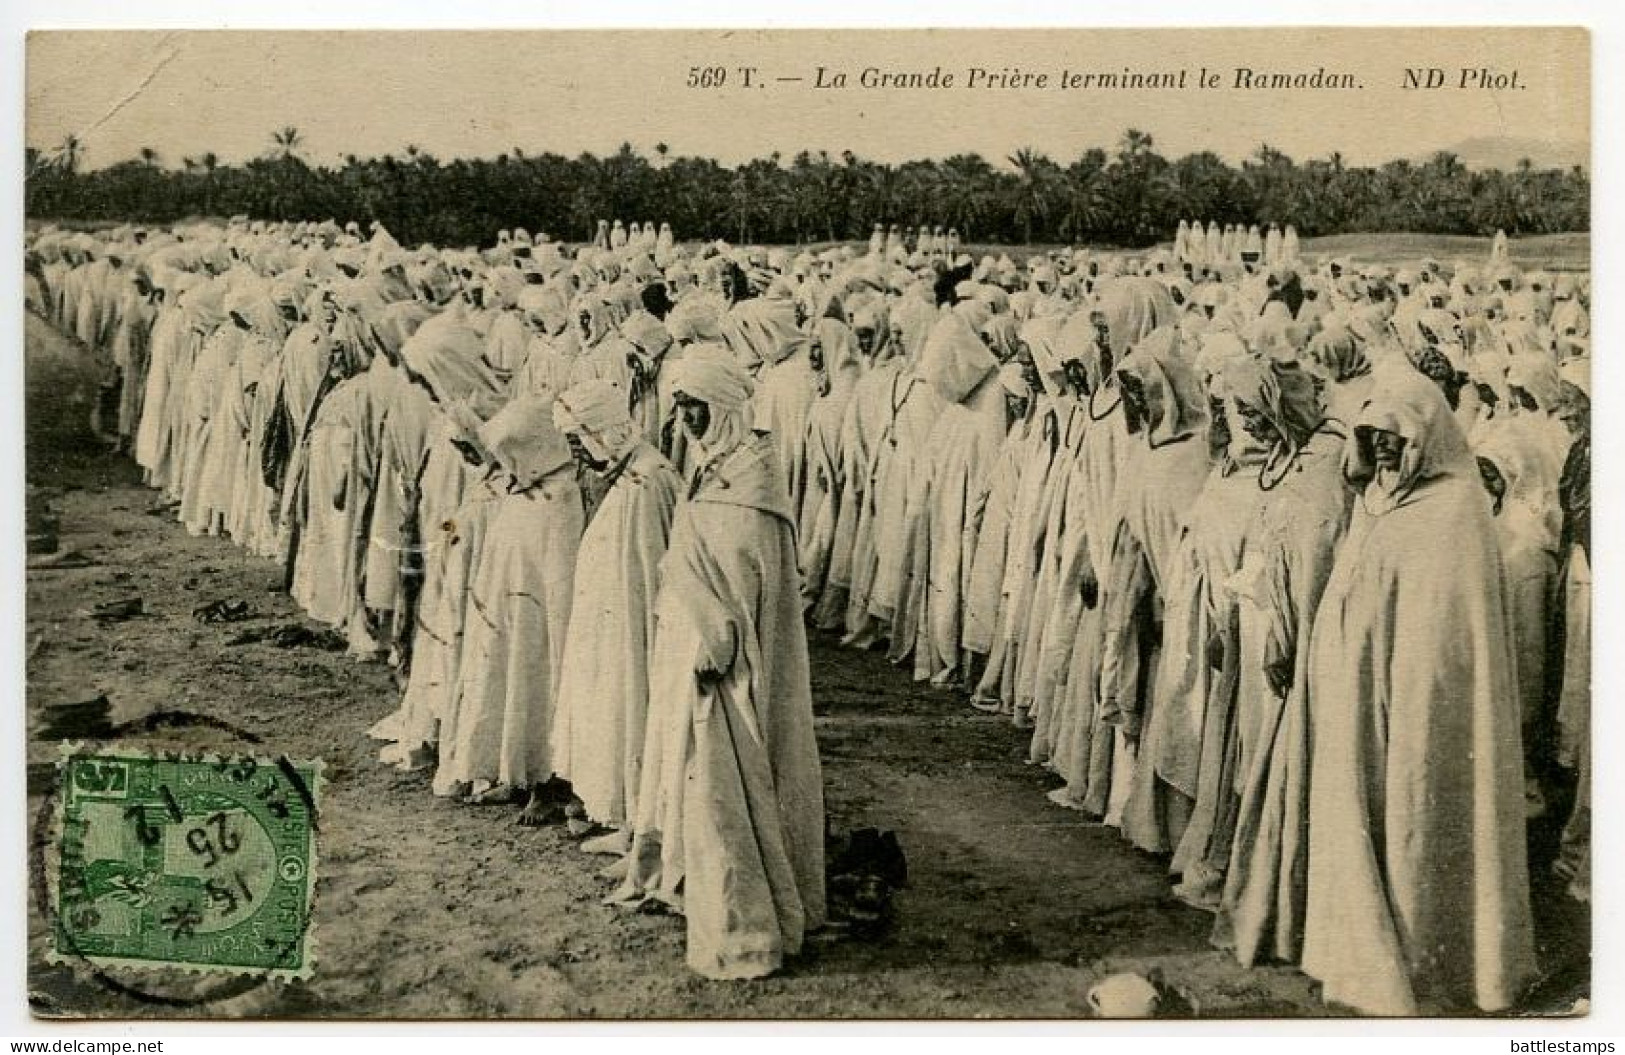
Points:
603	701
518	609
730	820
1418	896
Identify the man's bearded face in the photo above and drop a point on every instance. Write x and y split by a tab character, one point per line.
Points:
1103	334
1386	449
1136	414
1256	423
1077	378
695	414
1218	431
1029	369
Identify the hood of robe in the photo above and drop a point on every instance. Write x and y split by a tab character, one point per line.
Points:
1525	468
975	312
450	357
954	360
524	440
596	412
1522	337
1577	372
1284	393
1175	402
748	474
352	343
290	288
1075	342
380	247
1489	367
1219	351
1538	374
1274	333
396	323
1338	355
911	319
695	318
762	331
1132	308
1041	336
1369	324
1224	361
1443	325
999	334
432	280
600	318
545	306
1014	381
1405	403
838	345
252	302
358	295
205	305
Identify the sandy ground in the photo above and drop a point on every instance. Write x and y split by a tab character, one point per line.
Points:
427	908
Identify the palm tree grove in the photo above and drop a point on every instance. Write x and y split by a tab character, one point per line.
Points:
1128	196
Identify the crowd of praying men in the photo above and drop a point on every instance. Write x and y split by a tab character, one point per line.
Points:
1280	565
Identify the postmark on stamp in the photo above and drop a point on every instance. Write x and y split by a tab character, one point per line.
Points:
205	862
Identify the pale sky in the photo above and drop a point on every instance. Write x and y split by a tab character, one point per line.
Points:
478	94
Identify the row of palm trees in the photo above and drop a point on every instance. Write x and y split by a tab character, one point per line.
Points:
1129	196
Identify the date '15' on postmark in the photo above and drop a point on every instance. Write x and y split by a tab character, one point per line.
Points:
200	862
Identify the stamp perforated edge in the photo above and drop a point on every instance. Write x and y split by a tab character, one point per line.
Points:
70	749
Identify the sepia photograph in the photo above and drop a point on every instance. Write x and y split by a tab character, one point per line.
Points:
806	524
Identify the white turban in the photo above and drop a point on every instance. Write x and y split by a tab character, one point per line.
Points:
694	319
1218	352
595	411
711	374
645	333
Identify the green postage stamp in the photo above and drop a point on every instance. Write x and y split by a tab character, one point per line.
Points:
192	861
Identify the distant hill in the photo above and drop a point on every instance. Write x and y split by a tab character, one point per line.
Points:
1504	152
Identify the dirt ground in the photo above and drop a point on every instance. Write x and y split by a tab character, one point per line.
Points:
430	909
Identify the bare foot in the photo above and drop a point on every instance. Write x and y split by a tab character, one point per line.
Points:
495	795
457	789
615	842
